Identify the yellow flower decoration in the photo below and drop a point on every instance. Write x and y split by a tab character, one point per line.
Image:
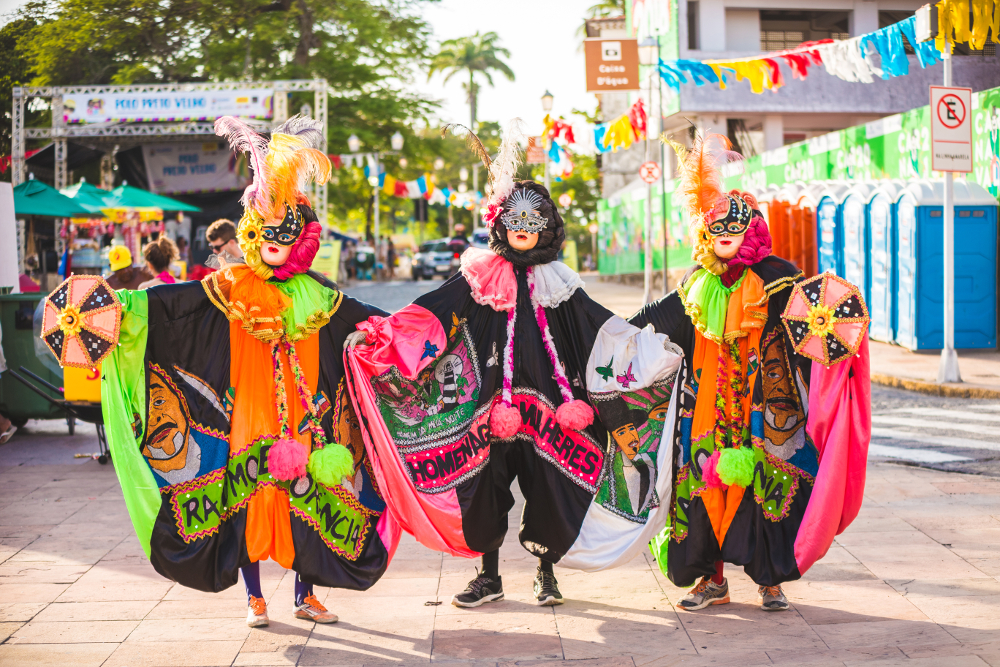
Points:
249	234
820	320
69	321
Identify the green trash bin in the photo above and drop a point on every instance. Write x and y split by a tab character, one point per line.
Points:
17	402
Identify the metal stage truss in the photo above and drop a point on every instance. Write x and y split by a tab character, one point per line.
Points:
123	135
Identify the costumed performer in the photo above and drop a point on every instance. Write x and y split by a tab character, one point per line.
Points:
225	404
509	370
772	447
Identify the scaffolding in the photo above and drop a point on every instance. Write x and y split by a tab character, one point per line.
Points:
117	136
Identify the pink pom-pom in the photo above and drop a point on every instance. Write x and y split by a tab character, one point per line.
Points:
575	415
303	252
709	473
756	244
505	420
287	459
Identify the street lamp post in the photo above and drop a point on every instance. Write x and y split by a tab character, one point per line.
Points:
354	145
648	54
546	107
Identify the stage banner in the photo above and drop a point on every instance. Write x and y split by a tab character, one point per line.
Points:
170	105
194	167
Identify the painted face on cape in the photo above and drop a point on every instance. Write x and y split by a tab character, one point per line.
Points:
166	446
783	415
731	219
278	238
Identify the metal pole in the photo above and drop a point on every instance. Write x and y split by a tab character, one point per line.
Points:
647	296
378	174
948	369
545	166
663	171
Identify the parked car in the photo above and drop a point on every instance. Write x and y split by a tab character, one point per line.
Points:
433	258
480	238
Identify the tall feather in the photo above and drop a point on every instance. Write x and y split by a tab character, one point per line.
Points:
290	162
701	181
471	140
303	127
504	169
244	139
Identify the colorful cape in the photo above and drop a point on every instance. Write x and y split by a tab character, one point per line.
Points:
431	374
801	429
189	407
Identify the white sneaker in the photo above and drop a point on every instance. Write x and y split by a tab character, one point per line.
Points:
312	610
257	613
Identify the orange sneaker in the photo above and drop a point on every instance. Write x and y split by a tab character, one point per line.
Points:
257	613
312	610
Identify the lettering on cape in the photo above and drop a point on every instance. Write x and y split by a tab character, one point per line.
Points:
444	465
203	504
574	453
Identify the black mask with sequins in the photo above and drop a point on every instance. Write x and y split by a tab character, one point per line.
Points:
736	220
287	233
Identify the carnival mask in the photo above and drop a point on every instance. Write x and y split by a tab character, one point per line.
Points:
277	240
522	212
735	221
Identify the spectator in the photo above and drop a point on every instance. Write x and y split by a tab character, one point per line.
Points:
390	258
123	275
158	255
182	249
6	428
221	235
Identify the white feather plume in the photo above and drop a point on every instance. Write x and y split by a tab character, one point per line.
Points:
503	171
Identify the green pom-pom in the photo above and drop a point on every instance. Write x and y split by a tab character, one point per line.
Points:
328	465
736	466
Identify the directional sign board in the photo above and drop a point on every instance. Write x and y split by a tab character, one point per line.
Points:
951	129
612	65
649	172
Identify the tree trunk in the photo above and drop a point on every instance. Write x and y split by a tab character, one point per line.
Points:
307	39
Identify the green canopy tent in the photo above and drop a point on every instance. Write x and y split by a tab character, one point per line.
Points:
133	196
36	198
92	198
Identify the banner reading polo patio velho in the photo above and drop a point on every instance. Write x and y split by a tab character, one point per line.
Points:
167	105
195	166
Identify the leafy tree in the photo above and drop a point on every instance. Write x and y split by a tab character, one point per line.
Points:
15	70
476	54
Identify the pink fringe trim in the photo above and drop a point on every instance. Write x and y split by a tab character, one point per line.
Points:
303	252
287	459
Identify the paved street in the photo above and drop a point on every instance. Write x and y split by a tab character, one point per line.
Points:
914	581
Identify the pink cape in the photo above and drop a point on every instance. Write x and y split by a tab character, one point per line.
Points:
435	520
840	425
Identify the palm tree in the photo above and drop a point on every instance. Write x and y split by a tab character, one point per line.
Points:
603	9
479	53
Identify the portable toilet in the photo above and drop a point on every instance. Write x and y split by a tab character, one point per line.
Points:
920	266
882	297
791	235
855	221
830	229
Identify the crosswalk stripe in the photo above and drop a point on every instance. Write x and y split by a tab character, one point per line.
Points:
941	440
917	455
953	414
927	424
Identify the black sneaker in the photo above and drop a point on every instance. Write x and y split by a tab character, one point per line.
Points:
480	590
546	589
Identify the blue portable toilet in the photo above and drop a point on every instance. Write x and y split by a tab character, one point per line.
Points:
920	266
882	297
855	223
830	229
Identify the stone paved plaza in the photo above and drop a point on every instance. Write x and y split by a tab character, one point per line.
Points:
914	581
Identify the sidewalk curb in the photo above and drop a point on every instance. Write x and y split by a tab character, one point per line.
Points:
946	390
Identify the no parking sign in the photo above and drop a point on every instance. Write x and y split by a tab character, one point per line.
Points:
951	129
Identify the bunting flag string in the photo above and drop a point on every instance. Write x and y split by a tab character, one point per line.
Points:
623	131
879	54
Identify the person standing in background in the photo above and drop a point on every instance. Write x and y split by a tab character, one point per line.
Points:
221	235
158	255
123	275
